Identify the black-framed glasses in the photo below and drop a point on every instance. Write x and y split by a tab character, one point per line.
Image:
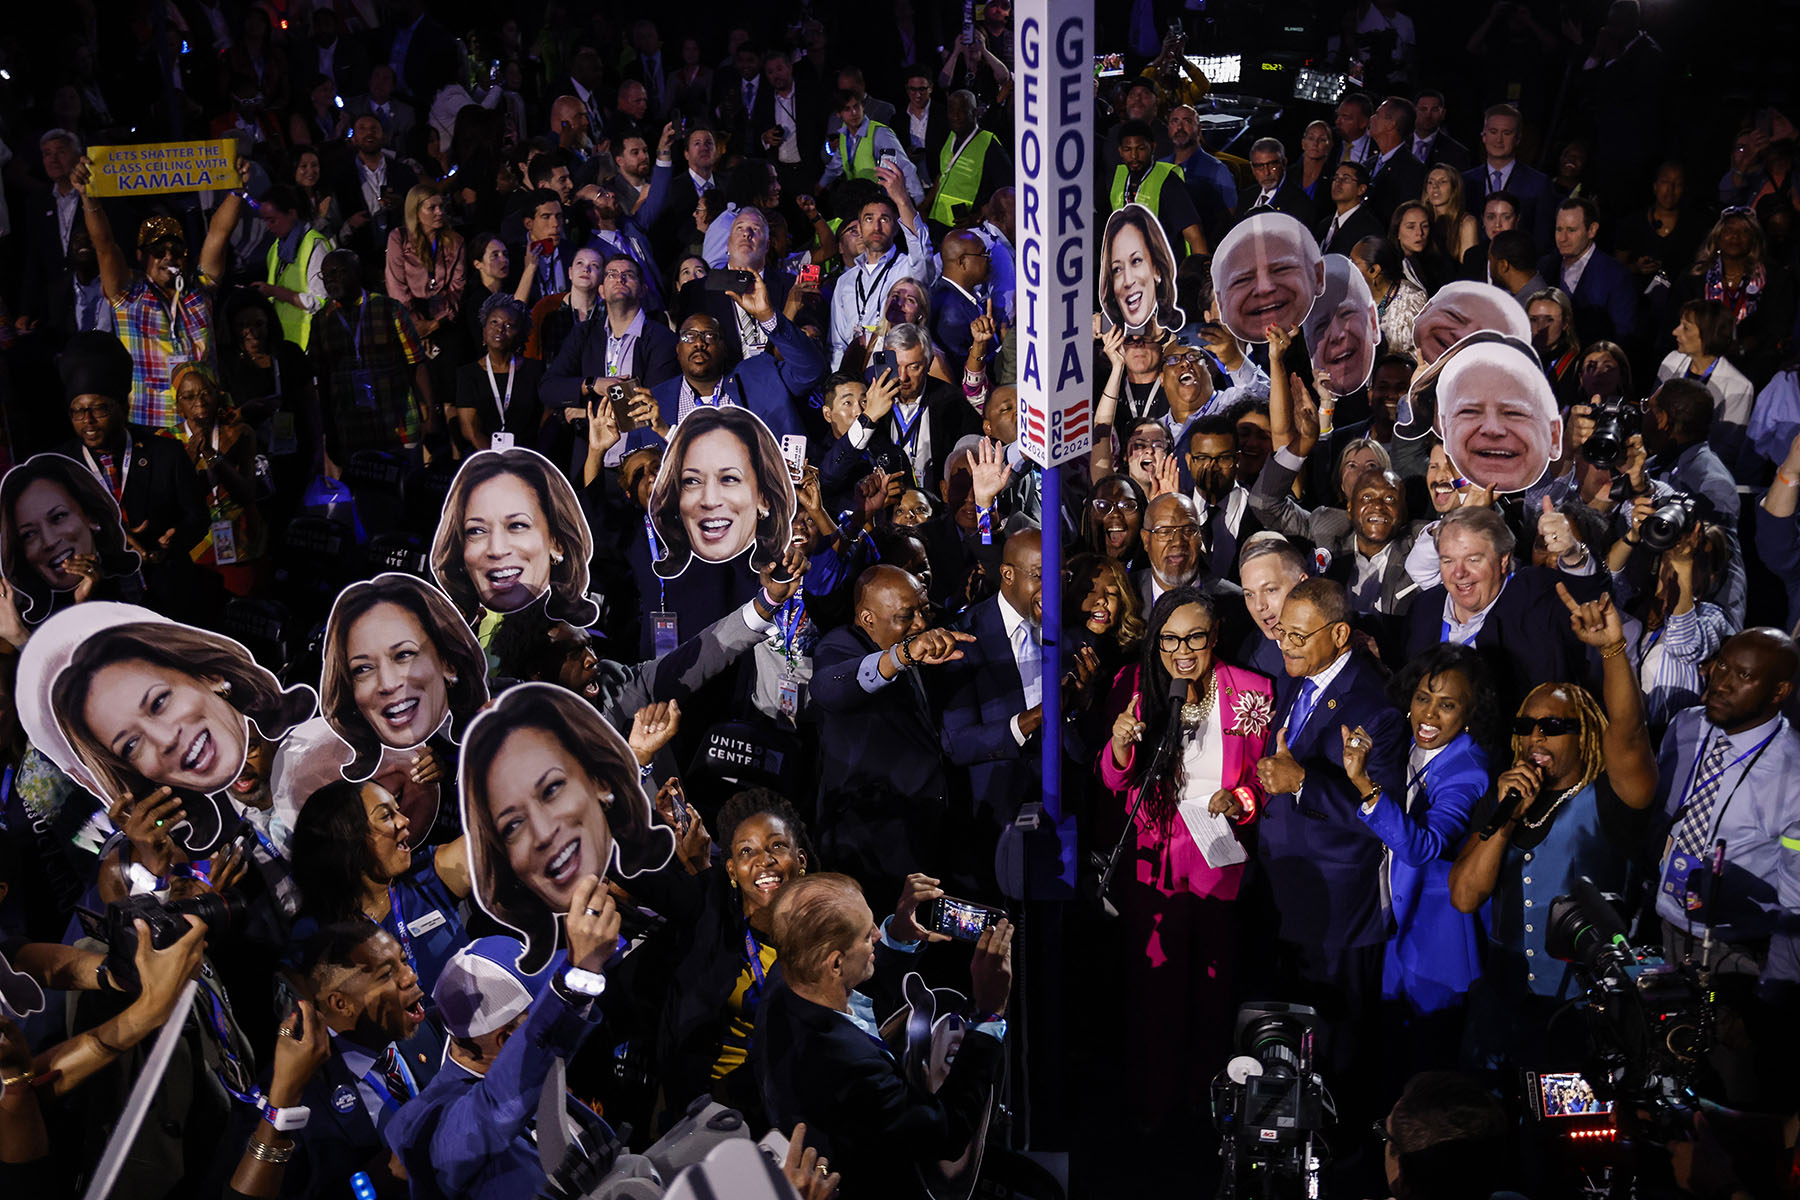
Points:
1168	533
1195	639
1552	726
1293	639
1104	506
1197	461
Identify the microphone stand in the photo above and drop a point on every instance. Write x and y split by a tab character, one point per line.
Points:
1110	863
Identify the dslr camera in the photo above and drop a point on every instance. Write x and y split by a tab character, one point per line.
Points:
1671	522
221	912
1615	422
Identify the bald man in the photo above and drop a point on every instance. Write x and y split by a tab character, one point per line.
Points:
883	784
957	298
1726	771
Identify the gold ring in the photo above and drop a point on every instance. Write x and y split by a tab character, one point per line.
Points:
822	1168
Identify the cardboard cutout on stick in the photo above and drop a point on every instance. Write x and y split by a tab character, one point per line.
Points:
59	528
1461	308
125	702
1137	274
1268	271
513	532
1343	329
1487	399
543	759
723	490
400	666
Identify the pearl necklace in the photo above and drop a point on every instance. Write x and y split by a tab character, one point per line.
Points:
1192	714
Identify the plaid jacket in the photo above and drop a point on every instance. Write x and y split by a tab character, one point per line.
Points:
380	339
160	339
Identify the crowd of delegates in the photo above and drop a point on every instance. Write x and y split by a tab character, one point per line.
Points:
562	418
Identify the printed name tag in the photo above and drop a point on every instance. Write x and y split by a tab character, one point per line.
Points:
425	924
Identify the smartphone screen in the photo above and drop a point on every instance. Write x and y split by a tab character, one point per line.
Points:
962	919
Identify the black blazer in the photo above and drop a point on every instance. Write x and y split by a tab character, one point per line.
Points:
674	226
815	1066
583	356
1360	224
1288	198
1402	179
162	488
881	740
1537	199
47	288
1447	150
948	416
1526	638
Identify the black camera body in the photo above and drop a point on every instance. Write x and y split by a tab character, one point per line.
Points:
221	912
1269	1105
1616	422
1670	523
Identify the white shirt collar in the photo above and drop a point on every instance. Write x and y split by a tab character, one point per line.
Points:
1464	632
993	231
1010	618
1748	737
1324	678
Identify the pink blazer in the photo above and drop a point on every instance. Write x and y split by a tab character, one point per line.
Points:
1175	864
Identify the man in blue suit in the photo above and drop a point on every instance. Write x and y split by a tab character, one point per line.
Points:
471	1132
954	303
1320	862
1604	290
768	385
1502	172
384	1050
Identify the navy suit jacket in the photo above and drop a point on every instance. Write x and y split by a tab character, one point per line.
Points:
1606	301
583	356
1447	150
815	1065
1322	862
1537	199
1526	638
986	693
1402	179
1288	198
767	386
887	737
951	313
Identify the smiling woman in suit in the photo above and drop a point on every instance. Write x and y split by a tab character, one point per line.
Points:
1190	788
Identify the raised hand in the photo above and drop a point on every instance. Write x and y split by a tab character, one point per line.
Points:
936	646
592	924
1358	745
147	823
1557	530
879	399
1127	731
1595	623
990	970
983	331
1165	476
917	889
603	426
989	472
652	728
783	578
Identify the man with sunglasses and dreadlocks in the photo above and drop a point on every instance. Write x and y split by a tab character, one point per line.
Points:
1574	803
164	314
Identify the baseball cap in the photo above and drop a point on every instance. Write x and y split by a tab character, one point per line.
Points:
480	989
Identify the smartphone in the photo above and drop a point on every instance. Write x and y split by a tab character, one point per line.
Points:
963	920
1109	66
500	441
809	274
287	1009
793	449
728	279
619	396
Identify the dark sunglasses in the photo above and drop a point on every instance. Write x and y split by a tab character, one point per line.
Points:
1552	726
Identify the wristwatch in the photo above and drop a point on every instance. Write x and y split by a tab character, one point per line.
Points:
286	1120
589	985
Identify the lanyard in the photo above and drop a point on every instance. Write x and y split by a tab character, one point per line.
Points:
512	373
230	1065
431	267
862	297
788	620
1706	374
356	331
1444	636
1695	783
909	431
1138	410
656	556
399	915
378	1085
124	461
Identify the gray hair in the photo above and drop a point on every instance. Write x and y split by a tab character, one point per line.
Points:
1485	521
1268	544
1269	145
61	135
905	337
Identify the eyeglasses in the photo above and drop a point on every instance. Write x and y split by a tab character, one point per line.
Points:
621	276
167	248
1136	444
972	254
1127	505
1197	461
915	87
1266	166
1293	639
89	412
1552	726
1168	533
1197	639
703	337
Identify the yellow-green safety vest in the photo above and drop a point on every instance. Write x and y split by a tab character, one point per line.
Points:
959	179
863	166
1149	194
296	322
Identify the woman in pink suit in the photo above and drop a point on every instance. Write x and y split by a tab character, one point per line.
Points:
1184	760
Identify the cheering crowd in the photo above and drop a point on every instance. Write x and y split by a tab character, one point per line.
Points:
522	625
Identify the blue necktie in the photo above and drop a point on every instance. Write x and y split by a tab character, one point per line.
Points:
1303	706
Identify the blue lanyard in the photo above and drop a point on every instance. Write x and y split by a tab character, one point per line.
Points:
1695	783
213	1013
399	915
656	556
753	951
378	1085
788	619
909	433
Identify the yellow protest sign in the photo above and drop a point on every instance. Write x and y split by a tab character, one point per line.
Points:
163	167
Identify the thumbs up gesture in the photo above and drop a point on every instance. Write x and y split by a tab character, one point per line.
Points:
1281	772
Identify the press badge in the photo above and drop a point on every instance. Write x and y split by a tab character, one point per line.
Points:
362	387
668	633
425	924
224	540
1676	880
283	437
789	696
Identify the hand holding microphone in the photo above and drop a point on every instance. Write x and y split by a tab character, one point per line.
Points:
1518	786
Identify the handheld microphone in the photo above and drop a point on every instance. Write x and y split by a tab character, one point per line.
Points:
1508	802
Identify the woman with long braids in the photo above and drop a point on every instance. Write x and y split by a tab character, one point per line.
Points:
1187	732
1573	805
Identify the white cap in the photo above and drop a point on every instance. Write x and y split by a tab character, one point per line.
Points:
480	989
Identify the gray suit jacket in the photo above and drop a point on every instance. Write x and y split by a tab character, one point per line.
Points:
1272	500
682	671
